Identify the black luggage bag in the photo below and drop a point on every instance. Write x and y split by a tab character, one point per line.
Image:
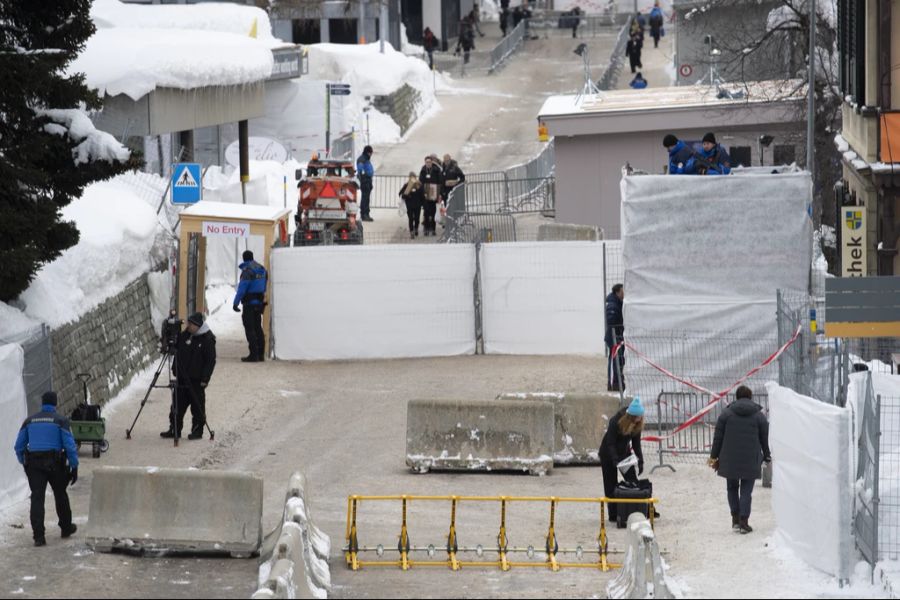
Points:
628	490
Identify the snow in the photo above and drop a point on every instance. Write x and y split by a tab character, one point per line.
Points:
250	212
841	144
222	18
782	17
134	61
14	322
93	144
117	229
13	485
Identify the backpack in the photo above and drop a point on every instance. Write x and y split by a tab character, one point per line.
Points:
86	412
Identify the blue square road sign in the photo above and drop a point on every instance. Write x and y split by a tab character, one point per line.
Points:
187	185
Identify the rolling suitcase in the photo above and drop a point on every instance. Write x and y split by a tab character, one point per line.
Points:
633	491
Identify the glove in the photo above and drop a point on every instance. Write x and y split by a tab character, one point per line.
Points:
73	475
235	308
640	467
713	463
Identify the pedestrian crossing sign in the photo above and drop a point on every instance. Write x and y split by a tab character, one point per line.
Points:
186	183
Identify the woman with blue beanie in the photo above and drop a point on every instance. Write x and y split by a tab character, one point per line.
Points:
623	436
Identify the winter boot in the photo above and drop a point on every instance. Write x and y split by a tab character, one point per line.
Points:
735	521
68	531
40	541
169	434
744	525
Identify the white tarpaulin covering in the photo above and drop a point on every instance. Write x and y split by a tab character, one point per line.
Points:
706	255
811	481
346	302
542	297
13	485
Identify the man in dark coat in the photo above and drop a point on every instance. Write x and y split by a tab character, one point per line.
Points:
451	175
615	333
617	445
633	52
195	360
740	443
431	178
656	24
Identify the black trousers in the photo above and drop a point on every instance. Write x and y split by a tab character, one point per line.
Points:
740	496
414	213
366	194
40	474
615	369
189	394
430	209
251	316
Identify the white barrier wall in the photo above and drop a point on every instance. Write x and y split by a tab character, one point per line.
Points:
357	302
812	479
13	407
542	297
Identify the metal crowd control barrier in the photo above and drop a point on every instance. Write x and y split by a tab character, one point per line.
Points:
503	551
674	408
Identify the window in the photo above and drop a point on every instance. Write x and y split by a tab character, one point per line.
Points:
306	31
852	48
342	31
740	155
784	155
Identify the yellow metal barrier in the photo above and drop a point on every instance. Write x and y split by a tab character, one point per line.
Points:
353	550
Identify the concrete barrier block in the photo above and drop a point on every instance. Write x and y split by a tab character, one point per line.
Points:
566	232
643	573
175	510
479	435
580	421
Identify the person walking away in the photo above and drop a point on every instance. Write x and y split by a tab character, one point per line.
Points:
413	196
740	443
622	438
430	43
195	361
366	173
504	21
681	157
43	447
475	17
641	21
638	83
656	24
615	333
633	52
451	176
430	178
251	295
714	158
466	40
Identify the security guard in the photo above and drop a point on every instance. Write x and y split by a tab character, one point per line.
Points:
251	293
43	444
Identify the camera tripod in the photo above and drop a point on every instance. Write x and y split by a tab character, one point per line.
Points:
169	357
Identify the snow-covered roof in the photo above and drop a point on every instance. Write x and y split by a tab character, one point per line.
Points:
227	210
139	48
666	98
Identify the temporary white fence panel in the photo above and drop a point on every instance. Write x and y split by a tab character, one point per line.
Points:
542	297
707	254
357	302
13	485
811	481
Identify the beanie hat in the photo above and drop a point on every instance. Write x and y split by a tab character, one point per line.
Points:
635	409
196	319
710	137
49	398
247	255
670	140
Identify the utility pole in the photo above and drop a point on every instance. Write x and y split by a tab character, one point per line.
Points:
811	93
382	25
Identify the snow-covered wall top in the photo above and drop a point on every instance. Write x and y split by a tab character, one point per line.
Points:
139	48
366	69
220	17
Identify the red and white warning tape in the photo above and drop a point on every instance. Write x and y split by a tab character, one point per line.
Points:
716	396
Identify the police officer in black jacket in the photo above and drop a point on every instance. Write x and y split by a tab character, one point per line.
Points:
43	445
195	360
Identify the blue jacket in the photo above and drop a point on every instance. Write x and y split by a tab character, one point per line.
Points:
615	322
638	84
252	288
656	18
46	431
364	168
720	160
681	160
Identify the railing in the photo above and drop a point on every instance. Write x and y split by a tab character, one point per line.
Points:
551	549
507	46
556	23
610	75
344	146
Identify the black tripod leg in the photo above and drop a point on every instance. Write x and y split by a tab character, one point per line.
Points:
152	385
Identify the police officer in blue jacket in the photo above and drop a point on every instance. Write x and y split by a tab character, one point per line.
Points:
44	443
682	160
366	174
251	293
713	158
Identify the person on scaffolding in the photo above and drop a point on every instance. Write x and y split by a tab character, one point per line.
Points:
621	442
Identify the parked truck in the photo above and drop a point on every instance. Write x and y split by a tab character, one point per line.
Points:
327	205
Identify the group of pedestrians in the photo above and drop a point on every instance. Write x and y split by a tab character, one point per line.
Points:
635	46
429	191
